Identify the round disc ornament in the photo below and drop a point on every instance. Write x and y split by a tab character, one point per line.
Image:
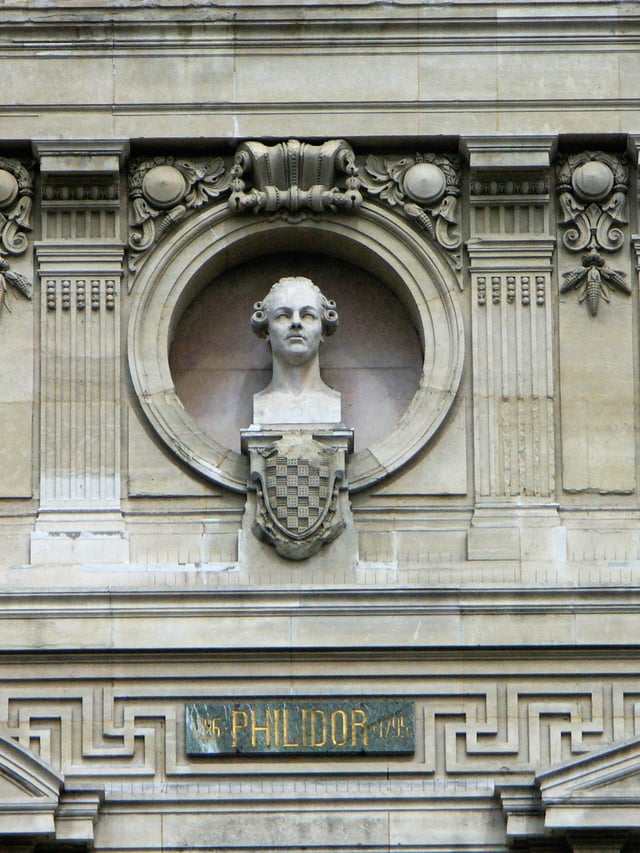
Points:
425	183
8	188
164	186
592	181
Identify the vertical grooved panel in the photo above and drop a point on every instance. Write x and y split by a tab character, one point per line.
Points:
80	426
513	387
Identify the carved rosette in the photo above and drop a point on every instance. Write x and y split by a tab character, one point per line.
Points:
16	200
297	476
295	178
592	194
163	190
425	188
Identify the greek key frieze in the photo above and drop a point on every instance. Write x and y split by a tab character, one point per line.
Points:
505	727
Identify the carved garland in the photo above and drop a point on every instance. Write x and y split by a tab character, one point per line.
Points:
592	193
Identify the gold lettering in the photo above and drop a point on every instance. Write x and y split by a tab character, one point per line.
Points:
403	728
237	726
209	726
317	712
285	730
343	725
359	721
256	728
303	726
276	726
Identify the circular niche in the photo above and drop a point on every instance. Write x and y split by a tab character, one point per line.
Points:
374	359
396	358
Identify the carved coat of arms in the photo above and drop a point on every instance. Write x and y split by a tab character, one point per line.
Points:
297	485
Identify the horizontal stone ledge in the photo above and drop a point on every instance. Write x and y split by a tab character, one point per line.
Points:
115	620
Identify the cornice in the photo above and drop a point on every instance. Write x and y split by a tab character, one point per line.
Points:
170	25
463	623
220	108
309	601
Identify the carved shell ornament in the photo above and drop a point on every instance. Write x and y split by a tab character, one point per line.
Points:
294	179
592	193
425	188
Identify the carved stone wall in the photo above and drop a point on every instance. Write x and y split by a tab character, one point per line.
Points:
478	164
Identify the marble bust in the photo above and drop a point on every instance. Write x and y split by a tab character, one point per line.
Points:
294	318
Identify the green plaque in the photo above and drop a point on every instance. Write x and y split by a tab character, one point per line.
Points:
309	727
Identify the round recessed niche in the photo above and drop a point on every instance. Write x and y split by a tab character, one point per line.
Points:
374	359
397	357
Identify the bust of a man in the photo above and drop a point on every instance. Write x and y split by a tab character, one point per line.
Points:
294	318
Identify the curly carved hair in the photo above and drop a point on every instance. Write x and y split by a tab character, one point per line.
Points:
260	316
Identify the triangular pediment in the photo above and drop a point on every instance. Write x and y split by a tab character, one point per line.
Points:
613	770
14	789
35	803
600	790
29	792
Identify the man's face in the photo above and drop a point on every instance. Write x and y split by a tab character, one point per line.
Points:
295	322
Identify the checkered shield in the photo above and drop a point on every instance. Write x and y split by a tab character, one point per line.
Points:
297	494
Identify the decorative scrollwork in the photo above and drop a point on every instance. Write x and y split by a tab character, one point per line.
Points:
16	200
162	191
592	194
426	188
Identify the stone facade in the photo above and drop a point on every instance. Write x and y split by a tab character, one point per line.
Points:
454	667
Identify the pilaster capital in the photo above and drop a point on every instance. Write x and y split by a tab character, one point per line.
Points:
633	147
80	156
523	810
502	153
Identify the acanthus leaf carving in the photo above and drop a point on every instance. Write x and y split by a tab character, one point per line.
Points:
425	188
163	190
